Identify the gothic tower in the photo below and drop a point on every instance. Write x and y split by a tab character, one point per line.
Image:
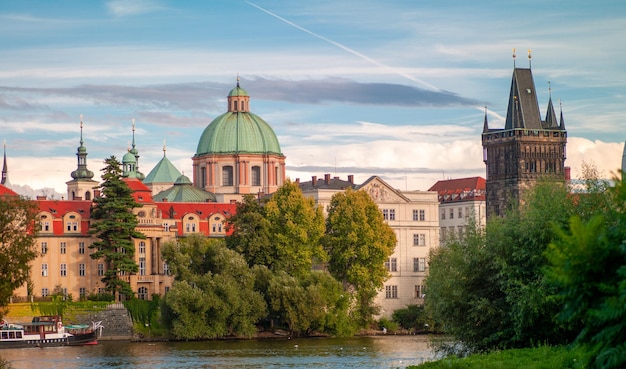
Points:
526	149
81	187
5	169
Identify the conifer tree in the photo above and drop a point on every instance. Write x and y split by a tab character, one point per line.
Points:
115	225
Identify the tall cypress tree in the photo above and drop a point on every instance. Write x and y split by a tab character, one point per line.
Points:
115	225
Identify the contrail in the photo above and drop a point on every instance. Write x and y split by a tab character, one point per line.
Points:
351	51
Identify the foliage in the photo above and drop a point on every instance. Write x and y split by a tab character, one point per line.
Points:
358	242
413	318
143	311
57	306
114	224
315	302
251	237
100	297
588	264
543	357
213	295
18	230
387	325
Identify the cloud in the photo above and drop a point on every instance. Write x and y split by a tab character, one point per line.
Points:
123	8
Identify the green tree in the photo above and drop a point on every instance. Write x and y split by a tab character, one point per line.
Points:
213	295
358	242
18	230
114	224
251	237
296	227
588	265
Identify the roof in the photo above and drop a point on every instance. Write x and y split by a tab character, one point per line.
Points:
141	193
326	183
460	189
58	208
184	191
172	210
163	172
238	132
6	191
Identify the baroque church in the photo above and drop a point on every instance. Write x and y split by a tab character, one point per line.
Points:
528	148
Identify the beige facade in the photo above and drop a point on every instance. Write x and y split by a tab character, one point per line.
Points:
413	216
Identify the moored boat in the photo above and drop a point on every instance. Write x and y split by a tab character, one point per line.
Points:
48	331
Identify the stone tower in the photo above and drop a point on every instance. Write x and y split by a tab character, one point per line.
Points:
526	149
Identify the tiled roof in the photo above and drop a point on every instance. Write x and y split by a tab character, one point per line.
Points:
58	208
163	172
176	210
6	191
141	192
460	189
184	191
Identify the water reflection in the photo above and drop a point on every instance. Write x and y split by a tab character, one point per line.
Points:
361	352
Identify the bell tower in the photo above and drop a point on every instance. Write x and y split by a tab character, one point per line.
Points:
526	149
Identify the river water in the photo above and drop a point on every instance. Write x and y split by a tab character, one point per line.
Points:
359	352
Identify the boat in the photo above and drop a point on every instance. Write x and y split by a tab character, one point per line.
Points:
48	331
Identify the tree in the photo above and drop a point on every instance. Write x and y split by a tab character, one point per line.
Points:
18	230
251	237
213	295
296	227
588	266
358	242
114	224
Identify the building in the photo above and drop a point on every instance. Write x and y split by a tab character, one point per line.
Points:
526	149
413	216
461	201
238	153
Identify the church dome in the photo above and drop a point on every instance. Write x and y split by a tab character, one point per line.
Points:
238	131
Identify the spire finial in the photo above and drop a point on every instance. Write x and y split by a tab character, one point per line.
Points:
237	79
164	148
81	130
133	120
530	56
549	90
514	57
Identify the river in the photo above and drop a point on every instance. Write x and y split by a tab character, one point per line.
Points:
358	352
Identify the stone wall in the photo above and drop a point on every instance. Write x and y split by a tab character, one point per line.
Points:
115	319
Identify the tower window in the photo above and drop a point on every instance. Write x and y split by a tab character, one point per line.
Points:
227	176
256	176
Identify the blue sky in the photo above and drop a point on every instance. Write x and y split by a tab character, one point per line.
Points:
364	87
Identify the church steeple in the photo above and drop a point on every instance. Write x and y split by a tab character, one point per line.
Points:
81	172
485	123
82	183
5	169
130	161
550	114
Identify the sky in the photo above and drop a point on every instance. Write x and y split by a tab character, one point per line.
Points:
393	88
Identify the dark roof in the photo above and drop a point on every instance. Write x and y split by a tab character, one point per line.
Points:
326	183
523	110
460	189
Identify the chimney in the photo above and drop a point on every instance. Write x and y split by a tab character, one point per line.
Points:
41	197
164	199
568	173
351	178
327	178
314	180
298	181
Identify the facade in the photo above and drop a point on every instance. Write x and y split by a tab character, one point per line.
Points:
526	149
461	201
238	153
413	216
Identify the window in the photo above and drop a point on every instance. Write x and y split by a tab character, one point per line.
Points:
100	270
81	269
467	212
44	270
142	266
451	213
460	230
166	269
460	213
190	227
256	176
142	247
82	292
45	226
102	290
81	248
227	175
391	292
44	292
419	292
63	270
389	214
443	215
166	227
419	264
421	215
443	233
142	293
63	247
72	226
44	248
392	265
419	239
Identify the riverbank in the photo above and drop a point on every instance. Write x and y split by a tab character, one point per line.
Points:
545	357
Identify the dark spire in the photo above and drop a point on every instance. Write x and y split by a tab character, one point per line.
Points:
81	172
561	121
5	169
486	123
550	114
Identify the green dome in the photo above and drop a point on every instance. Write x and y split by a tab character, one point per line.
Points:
238	91
128	158
238	132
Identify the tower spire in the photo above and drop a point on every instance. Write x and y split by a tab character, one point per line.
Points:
485	123
5	169
530	56
514	58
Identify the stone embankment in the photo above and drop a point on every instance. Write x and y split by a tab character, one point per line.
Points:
115	319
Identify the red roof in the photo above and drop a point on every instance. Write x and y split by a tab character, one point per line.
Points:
141	193
176	210
460	189
6	191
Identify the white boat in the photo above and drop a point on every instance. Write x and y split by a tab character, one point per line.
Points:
48	331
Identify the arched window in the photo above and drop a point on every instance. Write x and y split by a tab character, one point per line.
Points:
256	176
227	175
142	293
87	195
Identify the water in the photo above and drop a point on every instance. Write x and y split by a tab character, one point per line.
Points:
360	352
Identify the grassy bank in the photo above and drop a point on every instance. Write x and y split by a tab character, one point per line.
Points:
536	358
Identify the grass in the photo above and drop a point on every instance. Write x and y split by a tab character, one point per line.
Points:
545	357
